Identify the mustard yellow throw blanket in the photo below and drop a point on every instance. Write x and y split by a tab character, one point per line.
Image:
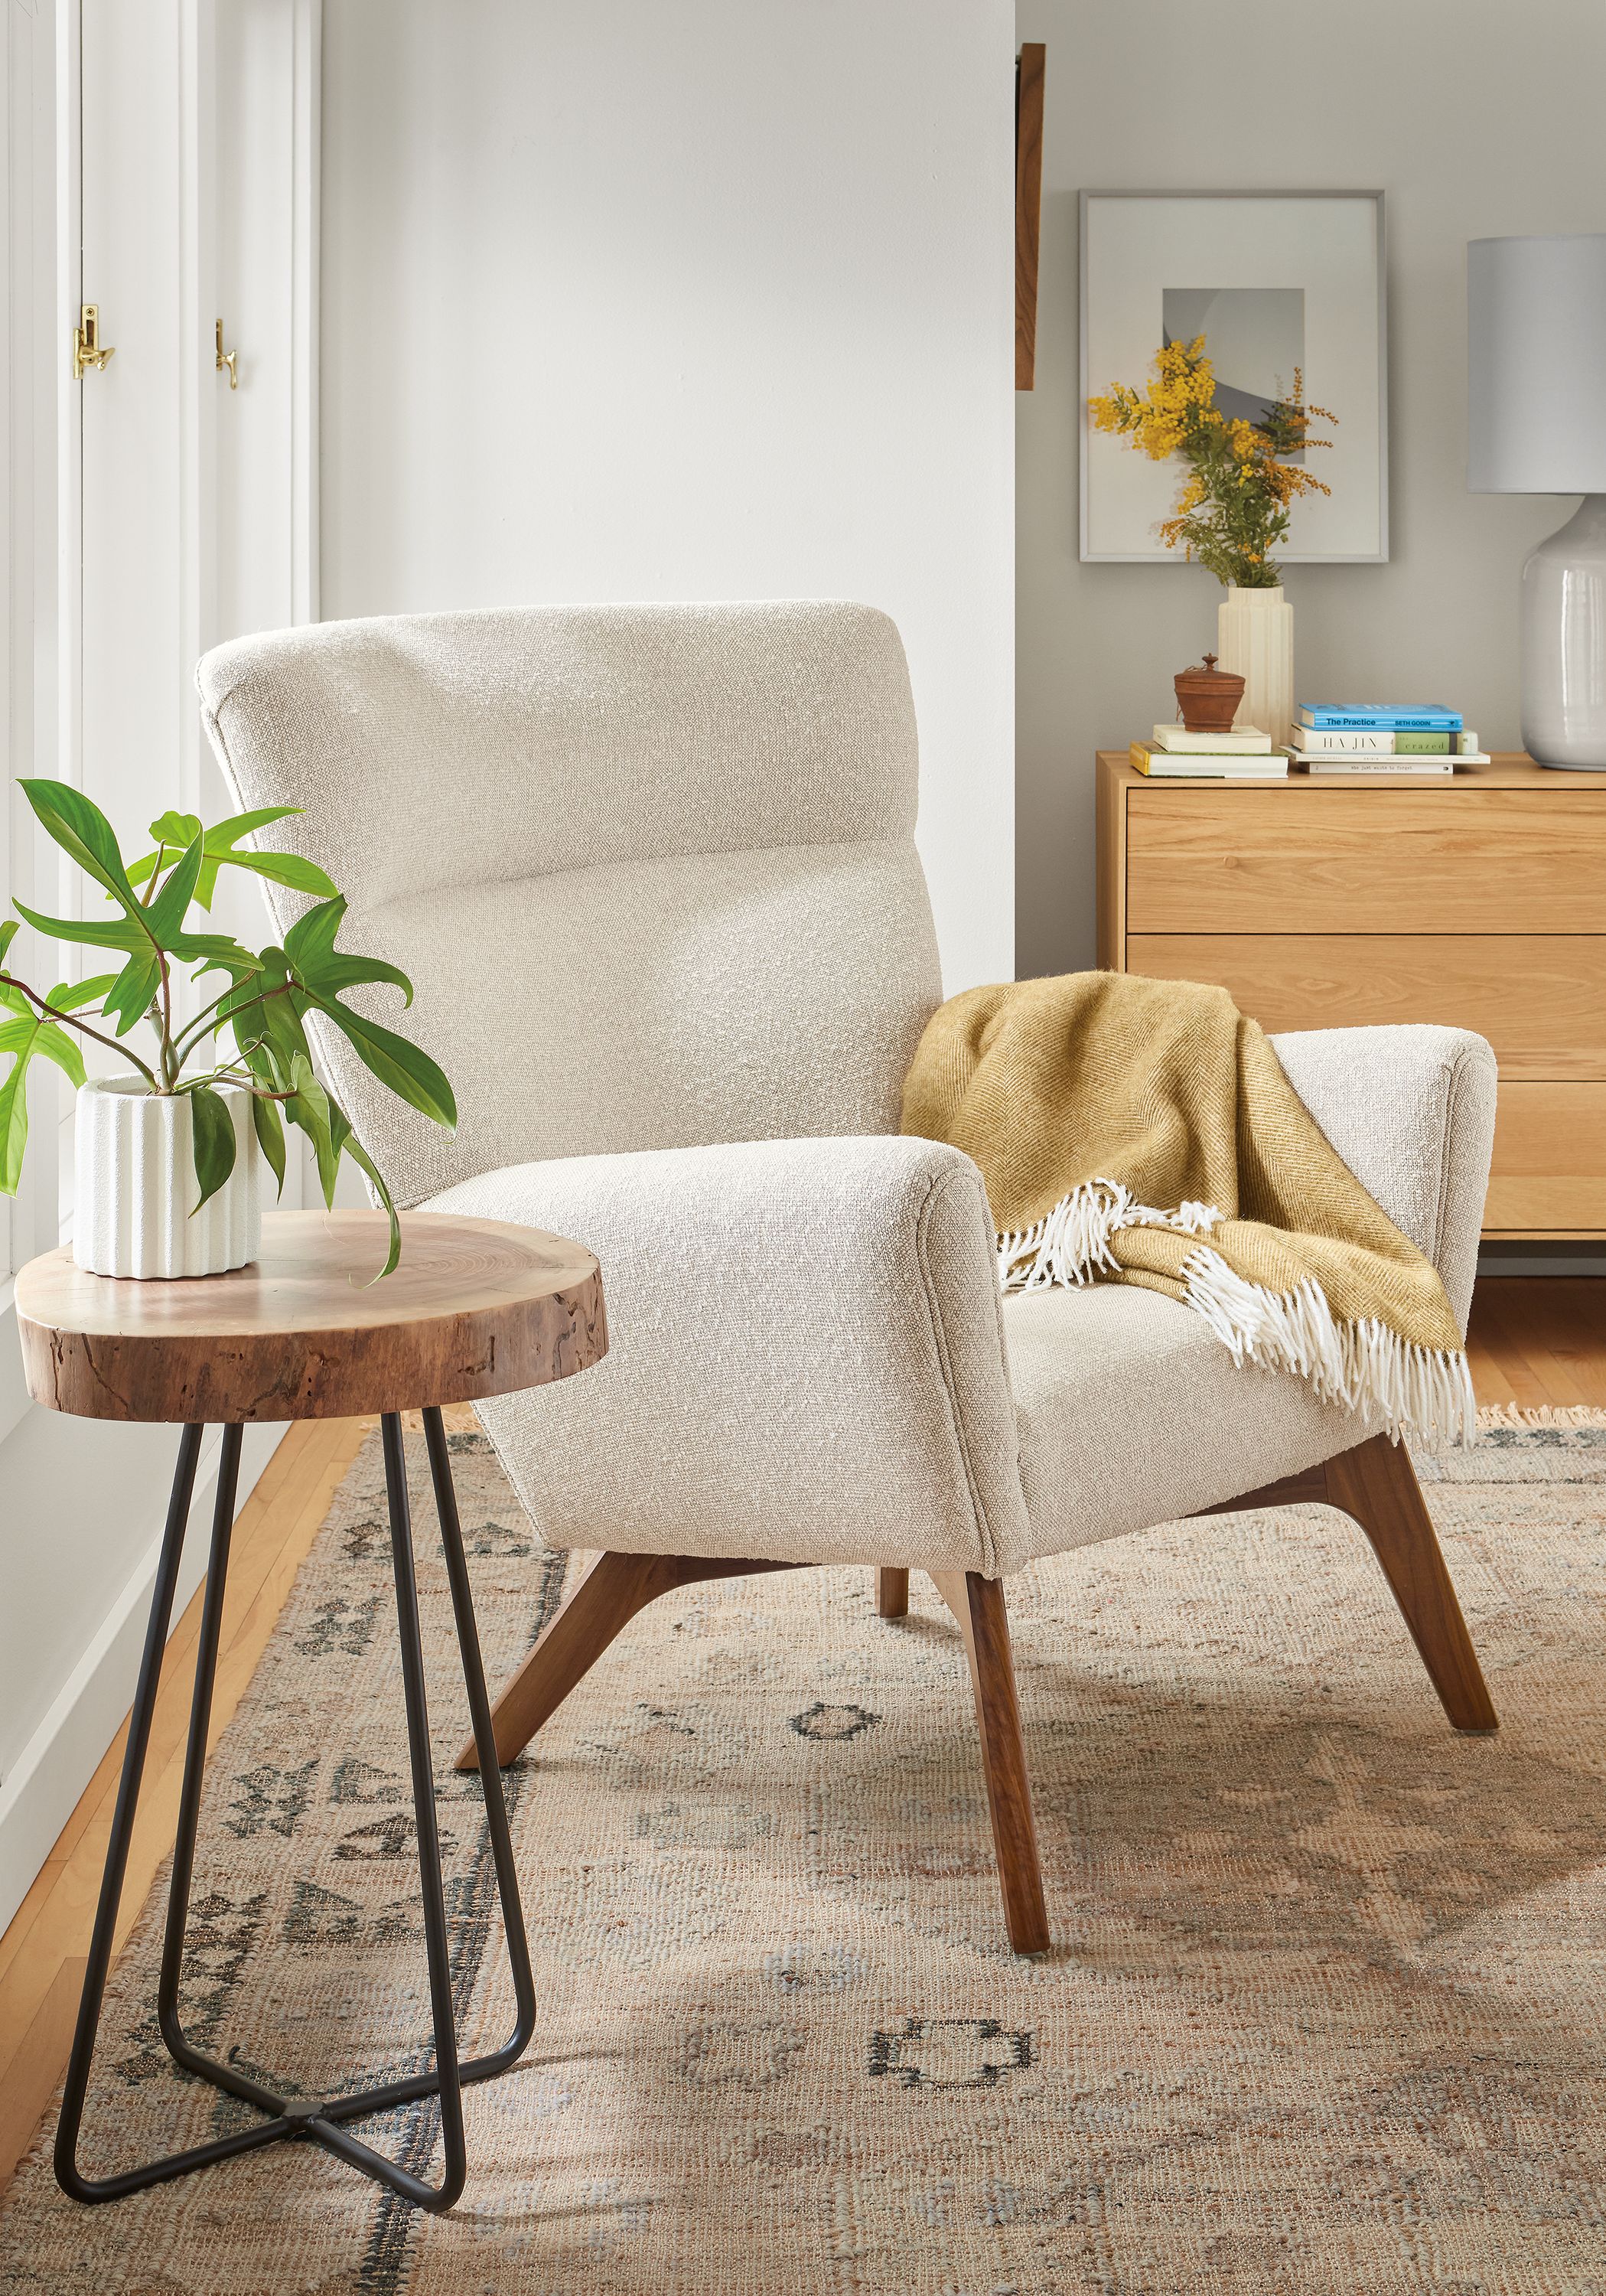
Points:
1136	1131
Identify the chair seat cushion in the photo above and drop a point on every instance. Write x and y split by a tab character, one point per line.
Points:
1131	1412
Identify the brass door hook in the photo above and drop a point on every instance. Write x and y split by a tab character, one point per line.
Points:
226	359
88	350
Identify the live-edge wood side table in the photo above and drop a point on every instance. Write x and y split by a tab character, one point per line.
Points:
476	1307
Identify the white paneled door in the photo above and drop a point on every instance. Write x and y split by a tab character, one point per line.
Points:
194	174
160	164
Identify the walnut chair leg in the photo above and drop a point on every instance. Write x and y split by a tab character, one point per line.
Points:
891	1593
978	1605
609	1596
1377	1484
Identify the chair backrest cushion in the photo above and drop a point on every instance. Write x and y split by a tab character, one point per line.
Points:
650	869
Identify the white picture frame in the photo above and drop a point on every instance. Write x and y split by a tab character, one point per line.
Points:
1322	256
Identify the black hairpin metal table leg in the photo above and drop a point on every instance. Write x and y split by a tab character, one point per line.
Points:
294	2117
68	2175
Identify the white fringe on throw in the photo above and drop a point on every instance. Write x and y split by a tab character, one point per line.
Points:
1424	1392
1068	1243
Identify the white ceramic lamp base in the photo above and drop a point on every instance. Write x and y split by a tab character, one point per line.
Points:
136	1186
1564	643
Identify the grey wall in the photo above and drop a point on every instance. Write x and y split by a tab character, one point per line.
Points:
1477	117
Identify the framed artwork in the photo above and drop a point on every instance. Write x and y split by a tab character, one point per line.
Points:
1275	282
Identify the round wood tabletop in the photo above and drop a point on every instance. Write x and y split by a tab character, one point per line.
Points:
476	1307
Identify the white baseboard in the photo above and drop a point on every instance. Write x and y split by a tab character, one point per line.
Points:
42	1785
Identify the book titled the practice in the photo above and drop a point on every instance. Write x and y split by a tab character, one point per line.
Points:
1379	716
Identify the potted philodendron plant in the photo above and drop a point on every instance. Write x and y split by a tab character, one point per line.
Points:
168	1157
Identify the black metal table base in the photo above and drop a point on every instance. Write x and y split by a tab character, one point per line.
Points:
294	2117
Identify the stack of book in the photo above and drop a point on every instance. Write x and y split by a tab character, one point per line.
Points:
1243	755
1371	737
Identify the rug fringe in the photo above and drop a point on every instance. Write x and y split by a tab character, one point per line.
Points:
1543	1415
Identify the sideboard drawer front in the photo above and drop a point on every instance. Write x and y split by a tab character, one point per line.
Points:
1549	1174
1300	859
1541	1002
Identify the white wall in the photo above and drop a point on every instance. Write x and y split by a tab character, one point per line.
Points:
1477	117
631	300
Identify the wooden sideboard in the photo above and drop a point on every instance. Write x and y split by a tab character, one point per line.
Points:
1478	901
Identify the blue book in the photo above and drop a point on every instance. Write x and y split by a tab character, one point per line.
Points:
1378	716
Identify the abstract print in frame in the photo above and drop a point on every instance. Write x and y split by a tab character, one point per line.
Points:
1273	281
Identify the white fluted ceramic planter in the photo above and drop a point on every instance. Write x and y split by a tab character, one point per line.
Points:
137	1184
1255	638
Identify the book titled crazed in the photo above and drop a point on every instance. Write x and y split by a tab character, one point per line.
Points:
1379	716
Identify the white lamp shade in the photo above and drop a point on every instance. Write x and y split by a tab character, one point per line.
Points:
1536	364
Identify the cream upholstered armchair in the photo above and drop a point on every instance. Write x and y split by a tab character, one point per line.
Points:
652	872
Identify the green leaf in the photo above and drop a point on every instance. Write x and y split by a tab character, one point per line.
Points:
166	914
133	990
209	948
81	829
67	996
8	933
213	1136
310	945
291	869
310	940
13	1127
341	971
24	1038
270	1135
57	1046
409	1072
364	1162
177	830
110	933
219	844
321	1121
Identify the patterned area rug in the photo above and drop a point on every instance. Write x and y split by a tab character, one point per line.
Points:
1326	2014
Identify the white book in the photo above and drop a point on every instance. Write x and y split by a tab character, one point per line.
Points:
1240	742
1314	737
1348	742
1206	769
1386	768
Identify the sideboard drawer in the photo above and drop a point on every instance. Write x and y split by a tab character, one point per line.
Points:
1549	1173
1541	1001
1442	860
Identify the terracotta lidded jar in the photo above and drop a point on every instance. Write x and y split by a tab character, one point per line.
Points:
1207	699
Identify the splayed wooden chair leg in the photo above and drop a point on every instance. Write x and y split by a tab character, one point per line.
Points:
891	1593
618	1585
978	1605
609	1596
1377	1485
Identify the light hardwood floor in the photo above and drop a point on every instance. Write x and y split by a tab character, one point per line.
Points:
1534	1342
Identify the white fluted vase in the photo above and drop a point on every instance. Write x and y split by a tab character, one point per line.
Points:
135	1187
1254	639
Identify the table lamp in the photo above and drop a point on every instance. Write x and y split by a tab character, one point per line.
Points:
1536	425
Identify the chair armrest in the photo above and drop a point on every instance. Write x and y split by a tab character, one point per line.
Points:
1412	1112
805	1359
